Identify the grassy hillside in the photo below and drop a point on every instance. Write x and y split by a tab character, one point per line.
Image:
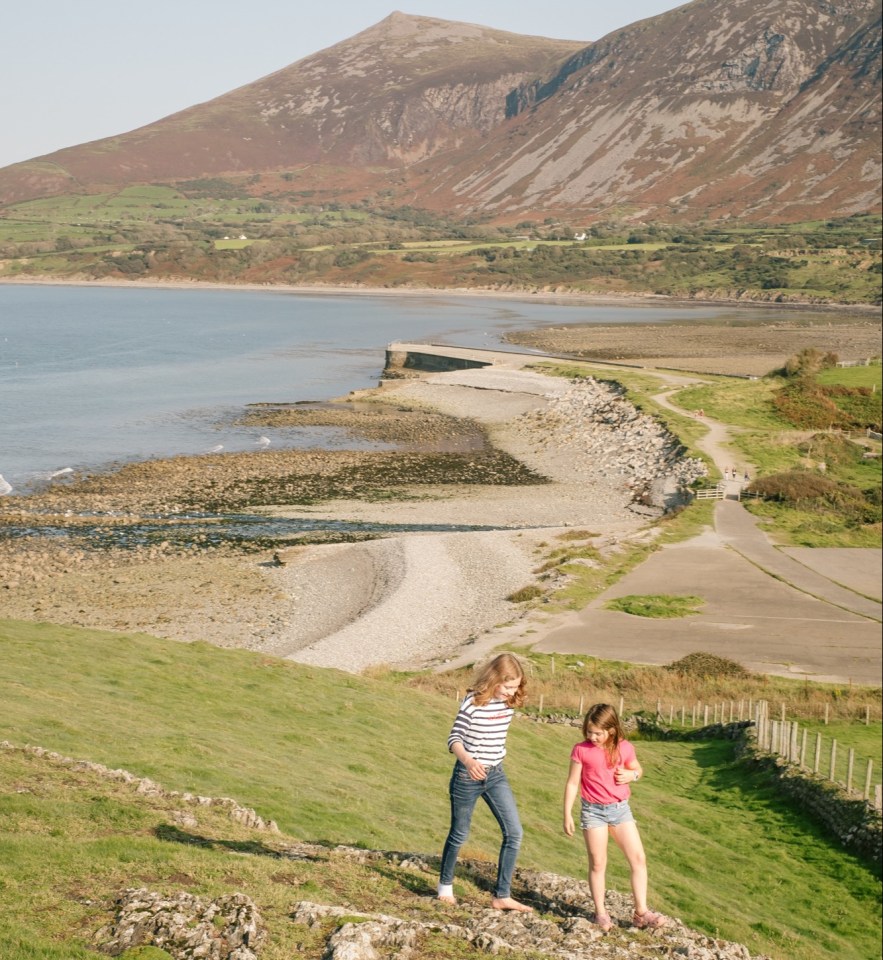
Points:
215	231
340	759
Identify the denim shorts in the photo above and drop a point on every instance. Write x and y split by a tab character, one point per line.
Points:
604	814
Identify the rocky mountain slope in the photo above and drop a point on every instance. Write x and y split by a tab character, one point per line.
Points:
756	109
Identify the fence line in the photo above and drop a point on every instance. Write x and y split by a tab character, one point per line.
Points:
783	737
789	741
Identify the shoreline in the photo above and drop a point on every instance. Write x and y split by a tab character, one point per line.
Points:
577	298
413	595
346	605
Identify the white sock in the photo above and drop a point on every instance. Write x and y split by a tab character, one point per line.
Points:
445	890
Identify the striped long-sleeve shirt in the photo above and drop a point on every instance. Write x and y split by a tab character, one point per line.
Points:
482	729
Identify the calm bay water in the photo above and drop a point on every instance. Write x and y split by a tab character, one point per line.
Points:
92	376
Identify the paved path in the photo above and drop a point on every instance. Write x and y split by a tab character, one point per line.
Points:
762	606
739	529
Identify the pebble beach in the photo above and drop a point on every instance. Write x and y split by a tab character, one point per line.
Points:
405	600
537	458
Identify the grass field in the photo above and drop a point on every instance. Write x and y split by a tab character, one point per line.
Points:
335	758
292	240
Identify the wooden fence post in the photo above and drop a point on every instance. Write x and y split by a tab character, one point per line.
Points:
783	712
818	757
794	752
826	714
833	762
705	720
867	715
581	704
541	702
850	765
803	748
868	774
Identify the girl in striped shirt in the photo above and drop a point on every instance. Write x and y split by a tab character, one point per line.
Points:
478	741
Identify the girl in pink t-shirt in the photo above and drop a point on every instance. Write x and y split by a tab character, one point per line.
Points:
601	768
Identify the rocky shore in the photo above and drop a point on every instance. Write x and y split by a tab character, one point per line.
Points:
486	466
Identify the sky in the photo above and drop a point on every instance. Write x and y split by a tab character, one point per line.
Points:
71	72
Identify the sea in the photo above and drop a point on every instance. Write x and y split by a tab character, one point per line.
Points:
92	377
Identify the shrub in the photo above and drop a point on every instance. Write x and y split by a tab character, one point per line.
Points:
530	592
806	404
705	665
818	493
808	362
795	486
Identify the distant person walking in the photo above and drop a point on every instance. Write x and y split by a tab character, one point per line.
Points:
478	741
602	766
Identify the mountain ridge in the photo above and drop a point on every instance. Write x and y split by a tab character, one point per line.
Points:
755	109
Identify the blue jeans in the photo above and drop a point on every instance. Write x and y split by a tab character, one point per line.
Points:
497	794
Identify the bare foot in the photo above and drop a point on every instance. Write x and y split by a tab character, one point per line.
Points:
446	899
507	903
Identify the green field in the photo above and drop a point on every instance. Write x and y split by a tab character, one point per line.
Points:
335	758
191	229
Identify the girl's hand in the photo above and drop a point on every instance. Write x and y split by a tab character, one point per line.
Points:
476	770
624	775
568	824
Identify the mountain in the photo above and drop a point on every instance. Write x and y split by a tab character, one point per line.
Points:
745	108
349	118
752	109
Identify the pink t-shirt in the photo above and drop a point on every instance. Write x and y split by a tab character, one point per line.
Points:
597	784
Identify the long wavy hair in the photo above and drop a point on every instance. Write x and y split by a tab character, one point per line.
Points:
603	715
502	669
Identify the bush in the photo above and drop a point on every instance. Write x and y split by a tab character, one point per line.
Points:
818	493
530	592
707	665
796	486
806	404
